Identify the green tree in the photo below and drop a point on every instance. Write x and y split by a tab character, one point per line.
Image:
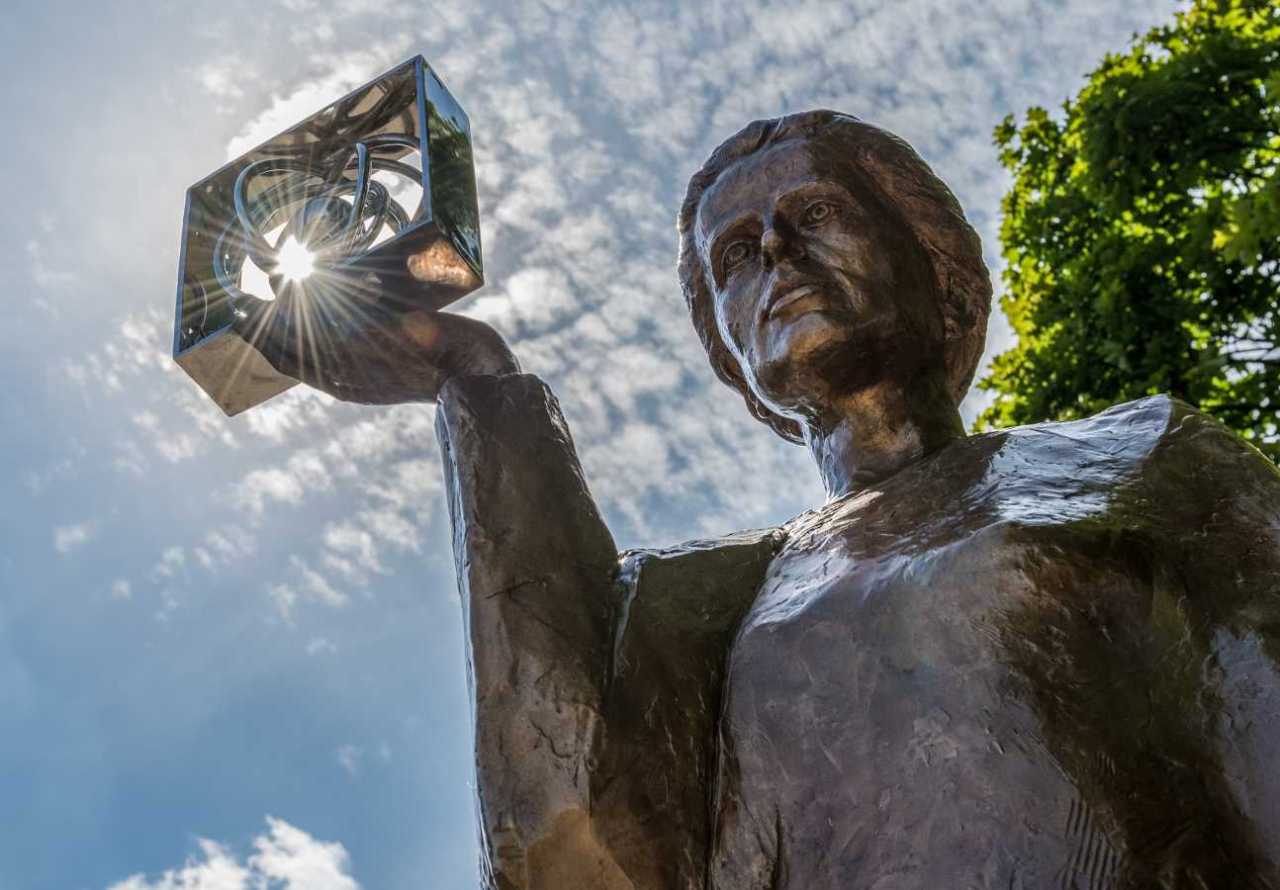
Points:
1141	235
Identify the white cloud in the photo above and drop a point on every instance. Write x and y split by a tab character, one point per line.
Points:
407	485
284	596
38	481
138	346
260	487
393	528
225	546
172	561
350	542
296	410
43	274
67	538
224	79
284	858
317	586
121	589
348	757
129	459
215	869
305	585
342	75
230	544
300	862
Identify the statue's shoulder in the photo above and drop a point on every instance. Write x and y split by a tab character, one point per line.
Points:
1132	428
1135	434
722	570
1162	430
1157	455
741	551
1164	448
1199	460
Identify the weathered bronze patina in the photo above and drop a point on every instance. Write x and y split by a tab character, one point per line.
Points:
1041	657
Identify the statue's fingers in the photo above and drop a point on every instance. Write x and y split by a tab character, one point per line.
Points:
424	330
248	314
362	386
270	326
344	390
459	344
443	338
317	351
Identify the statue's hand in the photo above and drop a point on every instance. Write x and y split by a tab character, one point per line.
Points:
367	353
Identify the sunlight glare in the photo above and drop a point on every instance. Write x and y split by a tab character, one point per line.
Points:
295	261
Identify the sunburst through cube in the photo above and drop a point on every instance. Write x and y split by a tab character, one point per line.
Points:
371	195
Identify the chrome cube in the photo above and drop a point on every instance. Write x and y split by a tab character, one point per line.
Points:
376	192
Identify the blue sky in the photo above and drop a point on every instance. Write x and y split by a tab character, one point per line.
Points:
230	650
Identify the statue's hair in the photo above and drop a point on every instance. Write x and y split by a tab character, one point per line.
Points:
905	182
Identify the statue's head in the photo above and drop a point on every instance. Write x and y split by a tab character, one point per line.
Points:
820	255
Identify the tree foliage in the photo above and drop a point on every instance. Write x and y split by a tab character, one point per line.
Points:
1141	235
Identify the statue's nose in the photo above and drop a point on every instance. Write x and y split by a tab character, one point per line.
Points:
776	245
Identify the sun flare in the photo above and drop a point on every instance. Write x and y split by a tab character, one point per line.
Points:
293	260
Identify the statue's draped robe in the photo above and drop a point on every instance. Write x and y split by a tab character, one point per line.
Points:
1044	657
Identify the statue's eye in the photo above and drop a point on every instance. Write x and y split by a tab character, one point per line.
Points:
734	255
818	213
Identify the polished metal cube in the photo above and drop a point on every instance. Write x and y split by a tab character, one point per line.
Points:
376	192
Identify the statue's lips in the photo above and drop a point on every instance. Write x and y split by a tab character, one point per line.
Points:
785	298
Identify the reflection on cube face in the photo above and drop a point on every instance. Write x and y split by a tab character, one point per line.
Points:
377	188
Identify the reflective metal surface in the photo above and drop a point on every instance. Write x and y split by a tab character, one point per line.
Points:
373	194
333	213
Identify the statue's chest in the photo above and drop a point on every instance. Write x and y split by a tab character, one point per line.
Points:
850	645
911	598
885	697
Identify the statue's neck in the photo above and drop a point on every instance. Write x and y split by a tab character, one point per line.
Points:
870	434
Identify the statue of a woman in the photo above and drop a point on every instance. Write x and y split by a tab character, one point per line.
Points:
1040	657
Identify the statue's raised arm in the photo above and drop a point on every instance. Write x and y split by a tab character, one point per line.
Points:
536	574
536	565
596	680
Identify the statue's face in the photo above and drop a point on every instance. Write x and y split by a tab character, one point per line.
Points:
820	287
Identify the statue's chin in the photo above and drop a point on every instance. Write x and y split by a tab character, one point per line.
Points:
805	353
822	352
790	342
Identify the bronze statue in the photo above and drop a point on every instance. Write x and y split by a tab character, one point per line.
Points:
1040	657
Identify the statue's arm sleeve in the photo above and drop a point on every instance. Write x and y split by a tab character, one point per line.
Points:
1217	500
536	571
653	794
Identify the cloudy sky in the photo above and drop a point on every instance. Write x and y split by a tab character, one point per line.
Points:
230	650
